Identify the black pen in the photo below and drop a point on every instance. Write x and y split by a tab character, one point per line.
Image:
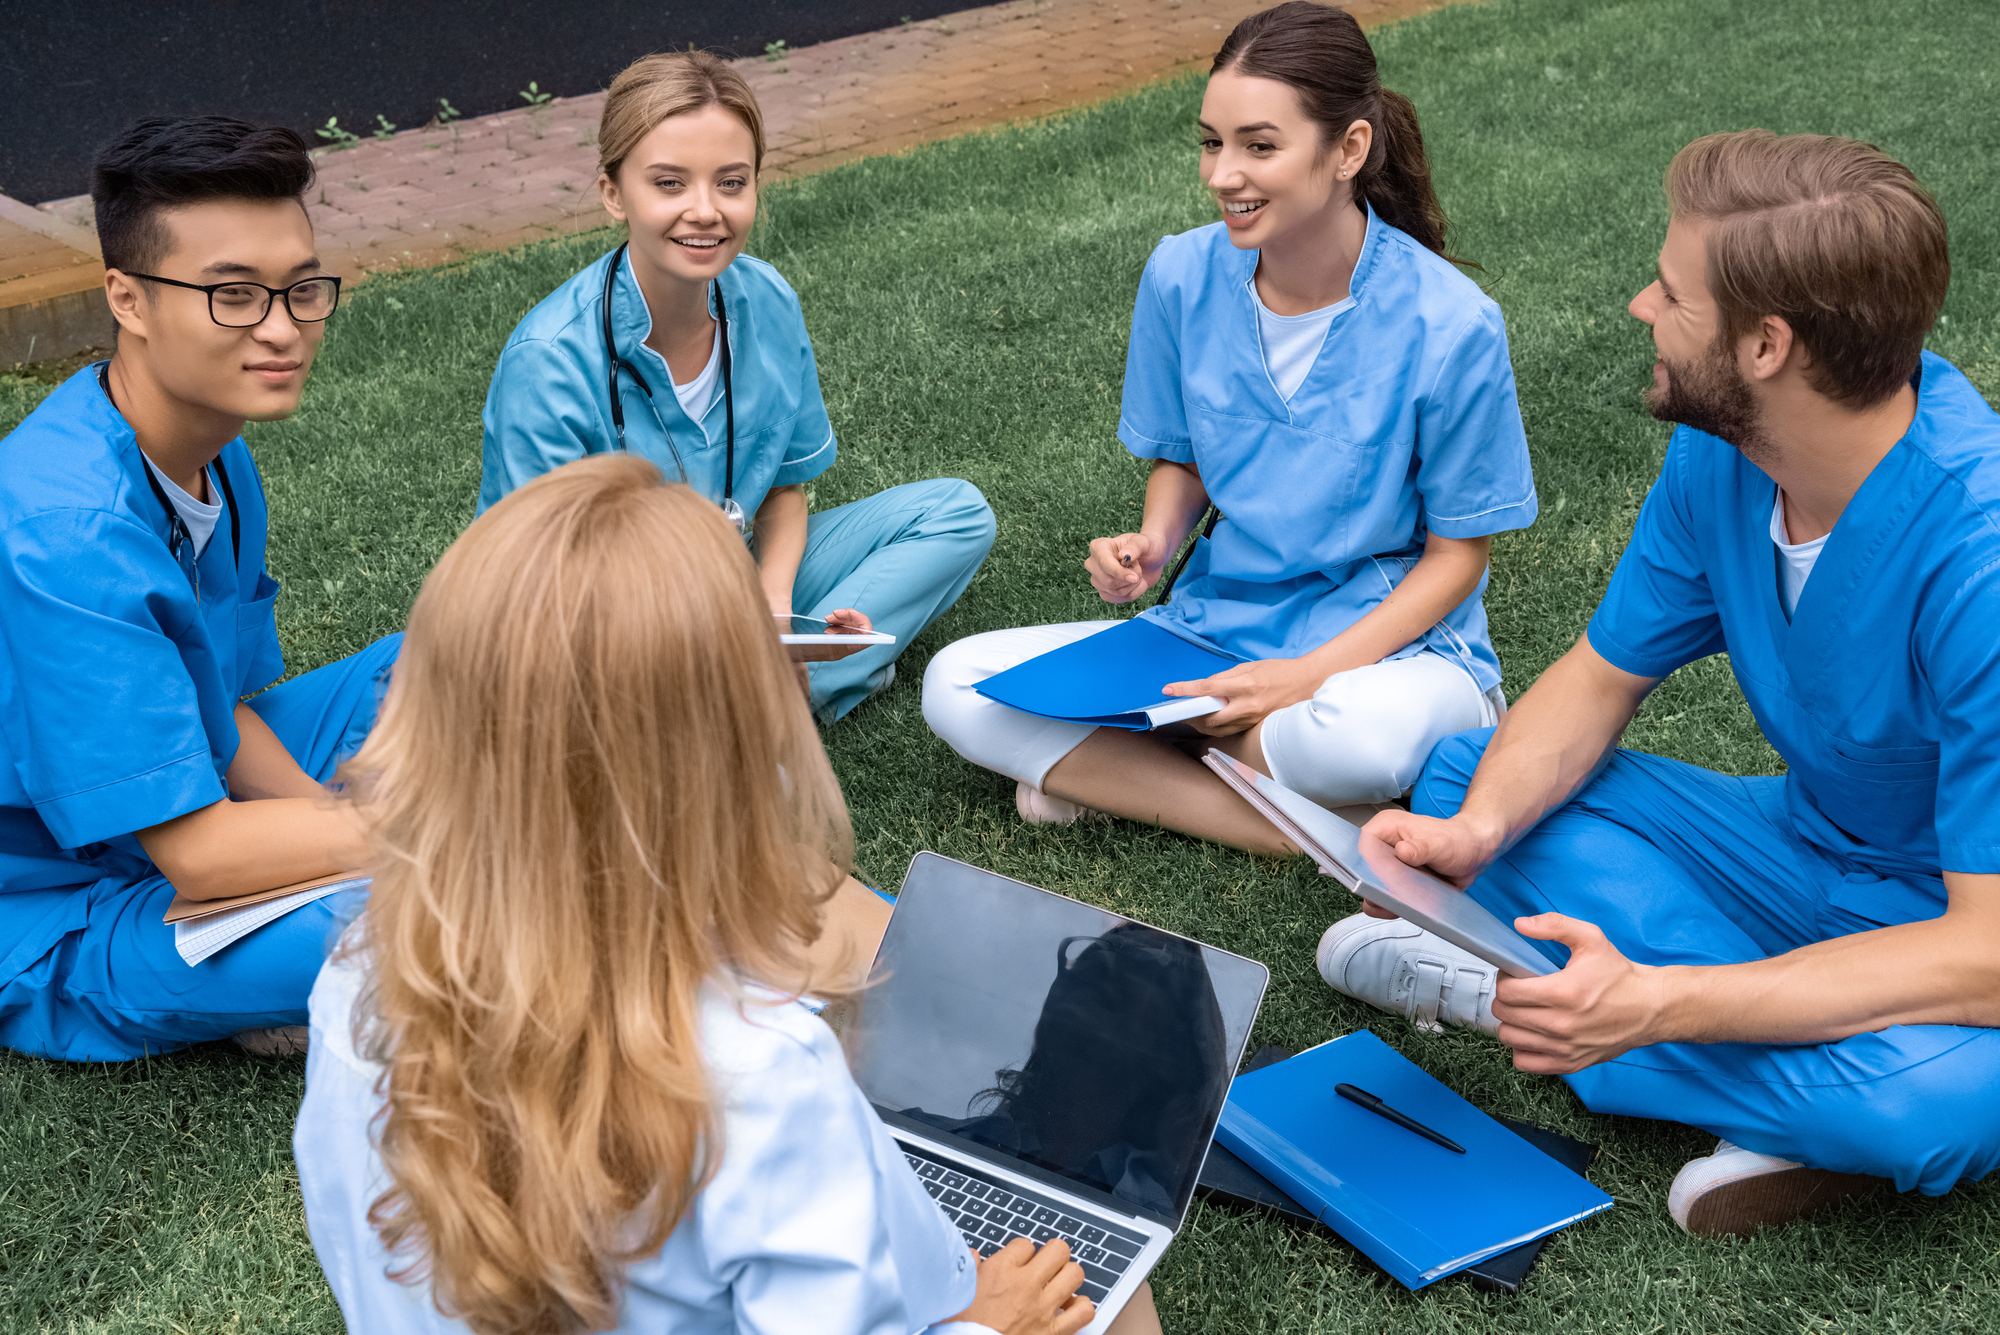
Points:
1381	1109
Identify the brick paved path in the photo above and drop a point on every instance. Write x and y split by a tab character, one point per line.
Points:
434	194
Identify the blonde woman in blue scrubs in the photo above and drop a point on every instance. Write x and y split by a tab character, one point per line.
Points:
680	348
1315	367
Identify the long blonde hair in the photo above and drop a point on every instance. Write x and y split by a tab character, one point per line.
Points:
594	785
653	88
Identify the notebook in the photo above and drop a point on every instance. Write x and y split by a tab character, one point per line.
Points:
204	926
1112	679
1416	1209
1371	869
1229	1182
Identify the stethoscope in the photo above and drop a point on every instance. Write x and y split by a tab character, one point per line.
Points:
730	509
180	542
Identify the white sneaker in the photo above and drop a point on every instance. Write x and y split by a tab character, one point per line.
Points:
1401	968
1734	1192
285	1040
1040	808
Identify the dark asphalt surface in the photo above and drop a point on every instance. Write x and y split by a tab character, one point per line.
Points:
78	71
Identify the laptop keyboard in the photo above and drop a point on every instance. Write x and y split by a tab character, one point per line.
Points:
990	1213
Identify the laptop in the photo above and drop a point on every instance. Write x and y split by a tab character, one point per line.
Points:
1052	1070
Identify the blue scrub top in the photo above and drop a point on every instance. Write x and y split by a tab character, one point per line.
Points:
1882	689
550	400
118	690
1406	424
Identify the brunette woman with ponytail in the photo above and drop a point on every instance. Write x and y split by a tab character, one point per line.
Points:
1315	368
559	1078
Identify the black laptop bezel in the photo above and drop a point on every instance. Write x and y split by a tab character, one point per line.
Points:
986	1154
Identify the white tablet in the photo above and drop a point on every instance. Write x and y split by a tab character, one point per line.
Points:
1371	869
813	631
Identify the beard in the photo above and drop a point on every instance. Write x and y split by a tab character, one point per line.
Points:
1710	394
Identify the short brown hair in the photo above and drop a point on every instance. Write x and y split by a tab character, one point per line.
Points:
653	88
1831	235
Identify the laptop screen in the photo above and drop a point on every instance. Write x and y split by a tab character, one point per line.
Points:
1091	1049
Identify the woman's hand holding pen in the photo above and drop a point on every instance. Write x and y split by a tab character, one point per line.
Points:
1252	691
1124	567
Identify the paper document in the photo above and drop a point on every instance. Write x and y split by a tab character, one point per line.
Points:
1371	869
196	938
1187	707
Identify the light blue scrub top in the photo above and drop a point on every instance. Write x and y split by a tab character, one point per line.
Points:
1406	424
117	690
550	400
1882	689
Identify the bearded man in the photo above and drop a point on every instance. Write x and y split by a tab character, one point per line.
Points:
1805	966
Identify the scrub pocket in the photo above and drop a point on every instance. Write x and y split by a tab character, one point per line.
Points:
1861	901
1875	795
260	660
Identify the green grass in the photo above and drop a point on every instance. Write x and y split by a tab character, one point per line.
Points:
969	304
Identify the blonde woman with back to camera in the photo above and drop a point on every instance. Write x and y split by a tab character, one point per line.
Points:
559	1078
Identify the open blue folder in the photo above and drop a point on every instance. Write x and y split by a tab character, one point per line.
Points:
1112	679
1415	1208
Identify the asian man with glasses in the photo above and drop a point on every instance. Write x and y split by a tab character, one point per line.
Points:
145	755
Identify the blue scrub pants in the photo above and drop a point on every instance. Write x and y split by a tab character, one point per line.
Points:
902	556
1680	865
116	988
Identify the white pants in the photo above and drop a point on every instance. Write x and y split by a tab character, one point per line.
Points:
1362	737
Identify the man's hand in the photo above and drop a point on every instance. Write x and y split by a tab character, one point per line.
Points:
1023	1291
1124	567
1455	849
1600	1006
1253	691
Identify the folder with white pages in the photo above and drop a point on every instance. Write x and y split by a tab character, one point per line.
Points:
1114	678
1371	869
201	929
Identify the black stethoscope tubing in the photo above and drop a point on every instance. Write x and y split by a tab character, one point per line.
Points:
178	536
730	508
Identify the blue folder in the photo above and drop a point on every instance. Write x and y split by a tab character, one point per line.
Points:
1111	679
1415	1208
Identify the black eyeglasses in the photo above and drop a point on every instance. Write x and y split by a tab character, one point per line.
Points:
240	305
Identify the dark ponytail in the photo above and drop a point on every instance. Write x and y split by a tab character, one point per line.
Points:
1321	54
